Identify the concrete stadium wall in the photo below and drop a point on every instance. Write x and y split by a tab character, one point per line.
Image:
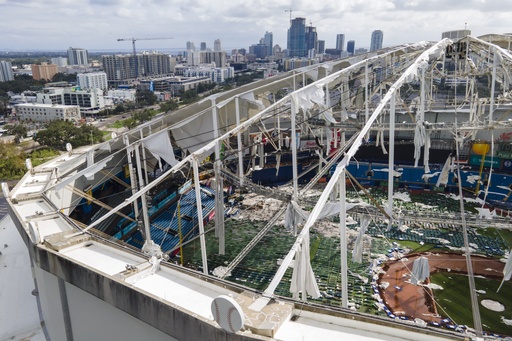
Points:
81	304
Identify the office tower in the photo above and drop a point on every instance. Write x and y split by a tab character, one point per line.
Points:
60	61
268	39
78	56
217	46
320	46
351	46
190	46
311	40
259	50
217	57
6	73
203	46
376	43
93	80
297	38
44	71
340	42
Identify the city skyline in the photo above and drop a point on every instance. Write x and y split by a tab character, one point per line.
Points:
96	25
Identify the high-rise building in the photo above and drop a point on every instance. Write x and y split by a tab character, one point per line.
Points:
297	38
259	50
78	56
93	80
351	46
311	41
340	42
217	57
268	39
6	73
376	43
217	47
203	46
60	61
120	68
320	46
191	46
44	71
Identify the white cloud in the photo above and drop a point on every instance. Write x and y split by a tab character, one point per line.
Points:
96	24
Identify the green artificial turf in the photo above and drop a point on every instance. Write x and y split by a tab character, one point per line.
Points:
414	246
454	301
500	234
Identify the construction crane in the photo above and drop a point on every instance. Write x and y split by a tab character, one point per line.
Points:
135	51
314	22
289	10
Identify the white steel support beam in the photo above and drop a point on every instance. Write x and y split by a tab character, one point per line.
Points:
200	218
266	113
146	179
239	143
293	142
366	99
133	183
493	84
343	239
219	183
149	246
404	78
391	156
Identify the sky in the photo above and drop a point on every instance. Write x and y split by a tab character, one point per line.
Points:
56	25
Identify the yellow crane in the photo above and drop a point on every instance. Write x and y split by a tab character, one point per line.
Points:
135	51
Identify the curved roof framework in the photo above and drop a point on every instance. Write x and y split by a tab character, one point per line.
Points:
358	96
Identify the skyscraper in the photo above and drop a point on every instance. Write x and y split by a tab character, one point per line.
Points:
320	46
340	42
78	56
311	40
376	43
268	39
351	46
6	73
203	46
190	46
217	47
297	38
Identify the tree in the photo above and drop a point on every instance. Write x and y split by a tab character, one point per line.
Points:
119	109
169	105
12	162
63	77
19	131
4	110
130	123
143	116
189	96
145	97
58	133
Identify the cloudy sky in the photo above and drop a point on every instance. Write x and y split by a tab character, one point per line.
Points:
96	24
